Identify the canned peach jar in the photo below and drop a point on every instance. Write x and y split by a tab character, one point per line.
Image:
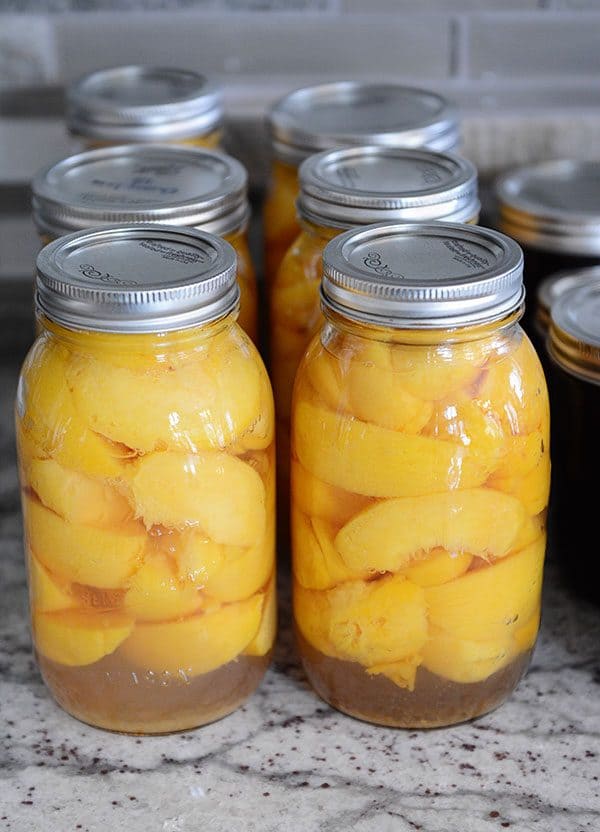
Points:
340	189
420	477
340	114
145	104
154	184
574	356
144	420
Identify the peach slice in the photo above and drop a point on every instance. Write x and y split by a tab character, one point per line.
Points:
463	660
514	387
388	535
402	673
155	593
371	623
531	489
319	499
47	593
376	394
77	497
438	567
206	404
242	571
489	604
197	557
197	644
264	639
83	554
222	495
48	419
76	637
316	562
367	459
434	372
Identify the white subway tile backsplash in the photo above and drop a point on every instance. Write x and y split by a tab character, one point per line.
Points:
529	45
239	46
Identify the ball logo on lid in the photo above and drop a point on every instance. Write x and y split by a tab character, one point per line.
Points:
87	270
374	262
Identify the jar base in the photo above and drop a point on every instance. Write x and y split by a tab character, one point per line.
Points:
435	702
117	697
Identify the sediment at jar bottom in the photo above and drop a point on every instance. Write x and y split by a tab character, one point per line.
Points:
112	695
435	702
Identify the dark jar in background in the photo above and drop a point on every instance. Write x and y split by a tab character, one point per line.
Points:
574	350
552	209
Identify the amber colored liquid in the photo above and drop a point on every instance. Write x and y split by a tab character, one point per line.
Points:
435	702
111	694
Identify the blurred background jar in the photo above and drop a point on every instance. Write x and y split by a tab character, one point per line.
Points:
144	103
344	113
420	477
144	421
340	189
549	290
552	209
154	184
574	352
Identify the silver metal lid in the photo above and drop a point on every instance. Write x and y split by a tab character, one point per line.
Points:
357	113
143	103
144	278
364	185
134	183
552	205
574	340
554	286
423	276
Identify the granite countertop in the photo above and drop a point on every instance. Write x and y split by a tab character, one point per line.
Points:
286	761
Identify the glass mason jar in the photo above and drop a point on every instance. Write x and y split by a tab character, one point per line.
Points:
341	189
145	439
126	104
574	355
164	184
552	209
549	290
420	477
343	113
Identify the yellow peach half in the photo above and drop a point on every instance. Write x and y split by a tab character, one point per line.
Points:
371	623
49	420
489	604
47	592
388	535
376	394
316	562
402	673
514	387
155	593
436	371
265	637
77	497
438	567
222	495
76	637
242	571
464	660
525	637
197	644
531	489
316	498
196	557
84	554
375	461
206	404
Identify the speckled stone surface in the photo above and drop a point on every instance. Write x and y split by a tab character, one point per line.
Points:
286	761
